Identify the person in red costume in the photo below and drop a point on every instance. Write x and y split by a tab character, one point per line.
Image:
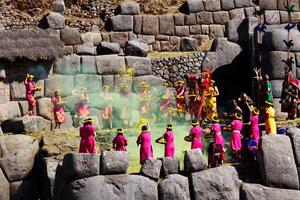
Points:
87	134
144	140
120	142
168	139
30	92
180	97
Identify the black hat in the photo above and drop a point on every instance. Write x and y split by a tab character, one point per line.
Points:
144	128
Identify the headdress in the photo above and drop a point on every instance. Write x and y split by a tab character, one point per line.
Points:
144	85
238	116
88	120
30	76
255	111
269	103
169	126
215	119
195	123
120	130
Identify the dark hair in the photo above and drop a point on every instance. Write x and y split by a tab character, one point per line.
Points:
144	128
119	129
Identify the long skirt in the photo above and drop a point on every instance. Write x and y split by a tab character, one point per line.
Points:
197	144
87	145
31	102
236	141
82	110
59	115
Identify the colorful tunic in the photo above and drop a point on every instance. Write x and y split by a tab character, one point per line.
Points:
58	109
165	103
107	108
236	137
254	128
267	91
119	143
210	106
87	143
169	146
145	105
217	133
289	96
180	98
146	150
270	121
195	134
82	106
30	91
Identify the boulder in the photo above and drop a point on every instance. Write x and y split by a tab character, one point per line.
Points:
85	49
215	183
175	187
67	65
194	6
243	3
9	111
18	90
110	64
45	108
182	31
205	18
136	48
80	165
233	30
294	134
18	155
4	187
256	191
194	161
122	23
23	107
114	162
88	65
277	163
166	24
59	182
150	25
129	9
274	40
188	44
119	37
54	20
49	169
58	6
213	5
169	166
93	83
24	189
141	66
105	48
111	187
151	168
70	36
62	82
91	37
152	80
26	124
227	4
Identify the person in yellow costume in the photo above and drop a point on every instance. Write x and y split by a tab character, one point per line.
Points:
270	123
210	106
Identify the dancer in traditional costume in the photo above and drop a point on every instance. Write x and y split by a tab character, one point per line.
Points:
120	141
126	112
107	111
290	96
210	106
203	89
236	136
194	97
30	92
145	99
165	102
267	89
180	97
195	136
218	137
144	140
58	109
270	123
82	107
168	139
254	125
87	134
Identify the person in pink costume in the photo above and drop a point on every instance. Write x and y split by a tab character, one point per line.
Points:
144	140
58	109
254	125
195	136
120	142
218	137
82	107
168	139
236	136
30	92
87	134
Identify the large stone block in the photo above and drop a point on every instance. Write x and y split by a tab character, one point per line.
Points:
182	31
93	83
277	163
166	24
216	183
4	92
136	47
49	170
294	134
237	13
141	66
194	6
129	9
88	65
169	166
227	4
54	20
119	37
194	161
24	189
23	107
274	65
151	168
272	17
179	20
68	65
212	5
45	108
175	187
85	49
256	191
268	4
91	37
80	165
105	48
114	162
243	3
137	25
221	17
4	187
18	90
205	18
190	19
282	3
111	187
149	39
150	25
274	40
188	44
58	6
18	153
277	88
216	31
153	81
195	29
122	23
110	64
9	111
62	82
70	36
108	80
232	30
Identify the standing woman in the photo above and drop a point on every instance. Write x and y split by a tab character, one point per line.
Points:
145	99
107	112
120	142
82	108
270	123
144	140
180	97
87	134
236	136
254	125
165	100
168	139
30	91
195	136
58	109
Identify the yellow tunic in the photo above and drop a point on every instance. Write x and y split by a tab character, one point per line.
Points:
210	106
270	121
